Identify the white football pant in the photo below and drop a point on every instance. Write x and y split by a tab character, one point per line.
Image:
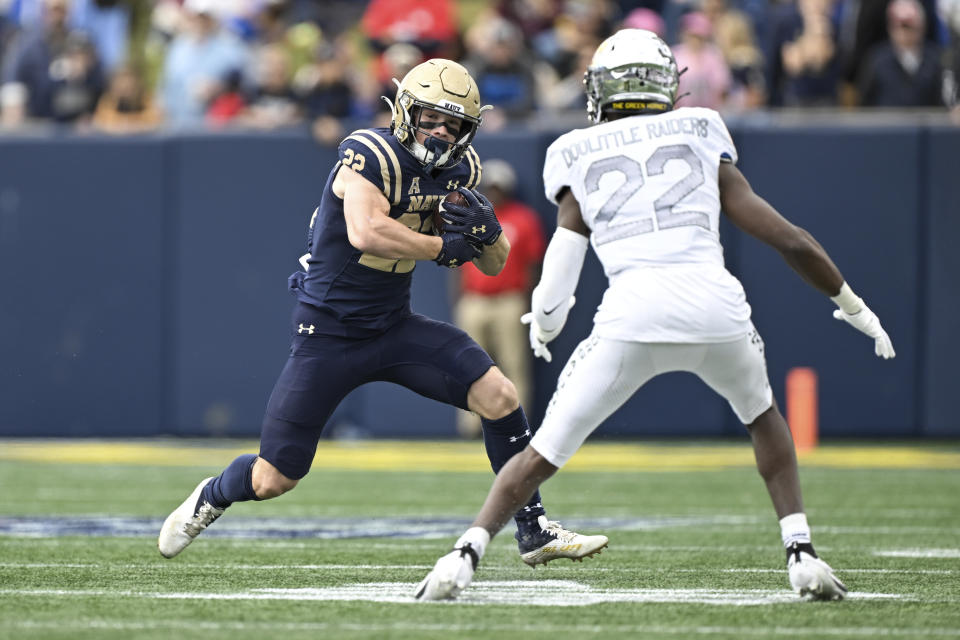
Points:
602	374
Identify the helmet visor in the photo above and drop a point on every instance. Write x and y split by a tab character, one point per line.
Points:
643	83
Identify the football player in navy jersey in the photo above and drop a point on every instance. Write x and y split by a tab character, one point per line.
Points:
353	324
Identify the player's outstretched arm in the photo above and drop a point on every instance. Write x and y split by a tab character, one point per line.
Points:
756	216
800	250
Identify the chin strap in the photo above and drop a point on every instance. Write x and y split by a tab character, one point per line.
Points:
439	149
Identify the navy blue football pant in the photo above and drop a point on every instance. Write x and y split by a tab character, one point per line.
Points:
432	358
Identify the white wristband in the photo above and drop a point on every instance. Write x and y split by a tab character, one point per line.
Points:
478	538
847	300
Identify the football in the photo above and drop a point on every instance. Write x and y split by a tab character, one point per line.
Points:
454	197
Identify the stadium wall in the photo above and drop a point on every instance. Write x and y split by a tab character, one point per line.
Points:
143	283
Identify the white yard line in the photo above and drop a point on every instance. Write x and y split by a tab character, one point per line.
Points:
843	570
918	553
512	592
601	630
882	530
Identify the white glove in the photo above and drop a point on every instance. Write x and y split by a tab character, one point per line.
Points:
866	321
454	571
539	337
451	575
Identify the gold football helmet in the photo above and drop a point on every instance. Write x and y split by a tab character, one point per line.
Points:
444	86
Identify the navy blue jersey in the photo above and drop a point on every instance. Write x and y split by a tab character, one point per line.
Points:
358	293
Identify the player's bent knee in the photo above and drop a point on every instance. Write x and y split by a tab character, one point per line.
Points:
493	396
274	486
764	420
268	482
505	402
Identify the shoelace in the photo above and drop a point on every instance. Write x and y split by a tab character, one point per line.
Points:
562	534
202	520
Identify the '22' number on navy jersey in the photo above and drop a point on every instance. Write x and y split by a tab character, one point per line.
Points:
355	161
634	180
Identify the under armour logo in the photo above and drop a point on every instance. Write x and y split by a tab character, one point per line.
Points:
309	329
525	434
481	229
452	263
452	185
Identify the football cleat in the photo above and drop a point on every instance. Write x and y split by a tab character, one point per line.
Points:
812	577
451	575
186	522
553	541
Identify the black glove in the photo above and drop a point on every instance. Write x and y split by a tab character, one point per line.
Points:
457	250
476	220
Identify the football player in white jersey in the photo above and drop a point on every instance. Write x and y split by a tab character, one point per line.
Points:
645	186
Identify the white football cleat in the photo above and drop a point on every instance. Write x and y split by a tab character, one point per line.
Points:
811	576
553	541
186	523
451	575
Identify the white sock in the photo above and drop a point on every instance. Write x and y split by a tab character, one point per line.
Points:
794	528
478	537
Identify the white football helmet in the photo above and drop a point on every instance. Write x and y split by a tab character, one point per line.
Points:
632	71
445	86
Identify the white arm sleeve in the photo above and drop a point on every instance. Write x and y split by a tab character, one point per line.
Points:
561	272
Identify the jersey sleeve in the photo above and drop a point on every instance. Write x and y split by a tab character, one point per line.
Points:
369	154
556	172
720	138
473	167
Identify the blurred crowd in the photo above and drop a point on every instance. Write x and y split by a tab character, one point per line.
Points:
125	66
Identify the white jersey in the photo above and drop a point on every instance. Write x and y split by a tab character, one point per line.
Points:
647	188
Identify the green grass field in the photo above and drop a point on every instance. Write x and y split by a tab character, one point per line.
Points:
694	545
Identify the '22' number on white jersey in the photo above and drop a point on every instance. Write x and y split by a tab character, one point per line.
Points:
632	170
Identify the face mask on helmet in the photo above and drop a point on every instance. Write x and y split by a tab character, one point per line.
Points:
633	71
446	87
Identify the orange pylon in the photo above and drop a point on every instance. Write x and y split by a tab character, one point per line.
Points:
802	407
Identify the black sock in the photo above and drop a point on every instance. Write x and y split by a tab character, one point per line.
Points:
504	438
235	484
